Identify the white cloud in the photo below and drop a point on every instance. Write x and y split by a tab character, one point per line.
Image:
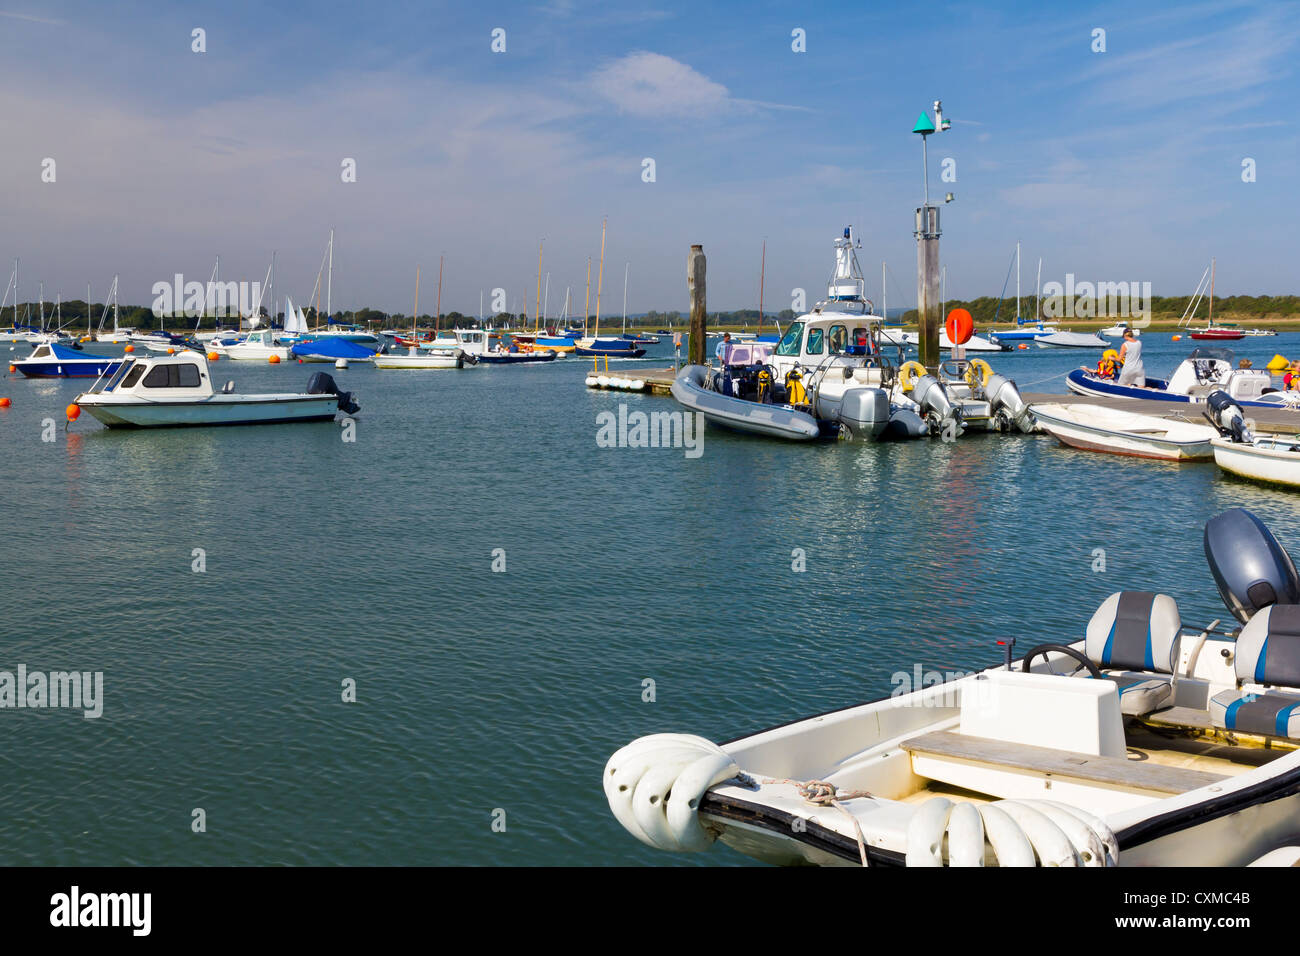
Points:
651	84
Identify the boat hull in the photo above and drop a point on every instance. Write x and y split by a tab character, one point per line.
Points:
771	421
218	410
69	368
517	358
1267	460
1071	340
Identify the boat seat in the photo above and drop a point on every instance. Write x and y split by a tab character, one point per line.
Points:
1267	665
1133	638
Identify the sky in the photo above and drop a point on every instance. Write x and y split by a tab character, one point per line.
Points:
1122	164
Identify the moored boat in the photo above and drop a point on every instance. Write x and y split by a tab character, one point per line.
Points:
52	360
1102	429
1207	369
1138	741
176	390
1071	340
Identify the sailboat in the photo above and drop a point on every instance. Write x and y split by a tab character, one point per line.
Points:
1025	330
595	345
119	335
636	337
1224	331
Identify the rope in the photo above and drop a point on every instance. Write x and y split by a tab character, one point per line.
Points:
822	794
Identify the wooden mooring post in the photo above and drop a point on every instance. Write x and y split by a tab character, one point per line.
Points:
696	265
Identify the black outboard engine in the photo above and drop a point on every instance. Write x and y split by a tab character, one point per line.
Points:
322	383
1253	571
1227	416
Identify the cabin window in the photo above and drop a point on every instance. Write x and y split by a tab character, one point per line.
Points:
839	338
172	376
816	341
133	376
789	344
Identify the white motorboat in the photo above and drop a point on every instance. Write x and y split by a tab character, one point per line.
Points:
1071	340
469	341
1097	428
912	340
419	358
1274	459
257	346
1117	330
1164	745
176	390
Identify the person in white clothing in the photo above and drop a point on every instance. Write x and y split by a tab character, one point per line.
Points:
1130	353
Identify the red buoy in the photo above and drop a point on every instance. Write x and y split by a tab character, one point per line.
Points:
960	326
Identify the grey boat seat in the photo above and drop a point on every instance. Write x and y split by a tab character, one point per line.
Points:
1133	639
1267	665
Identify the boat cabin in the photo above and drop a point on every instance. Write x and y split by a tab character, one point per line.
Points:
1209	369
160	378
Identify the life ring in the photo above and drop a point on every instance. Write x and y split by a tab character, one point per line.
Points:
980	367
909	373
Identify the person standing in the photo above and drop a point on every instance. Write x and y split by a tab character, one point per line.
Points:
1130	354
720	353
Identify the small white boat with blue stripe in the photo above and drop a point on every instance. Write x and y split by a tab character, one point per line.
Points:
52	360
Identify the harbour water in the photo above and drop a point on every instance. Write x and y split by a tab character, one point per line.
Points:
480	690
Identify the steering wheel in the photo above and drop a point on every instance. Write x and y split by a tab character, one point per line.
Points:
1092	668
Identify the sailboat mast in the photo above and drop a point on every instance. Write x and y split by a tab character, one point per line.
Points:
626	267
437	321
1038	288
537	305
41	305
586	308
1017	282
546	297
87	308
329	282
115	305
762	275
415	316
884	292
600	275
1210	320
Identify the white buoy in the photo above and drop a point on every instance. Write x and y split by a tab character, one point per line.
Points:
638	386
602	381
591	381
341	363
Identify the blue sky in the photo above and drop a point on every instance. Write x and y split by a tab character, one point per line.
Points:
1122	165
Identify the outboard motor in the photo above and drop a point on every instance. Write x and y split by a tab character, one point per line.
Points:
1007	404
322	383
865	411
1227	416
928	392
1253	571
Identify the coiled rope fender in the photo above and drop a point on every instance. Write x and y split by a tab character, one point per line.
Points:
654	786
1010	833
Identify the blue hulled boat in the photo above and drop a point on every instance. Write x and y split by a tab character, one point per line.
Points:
51	360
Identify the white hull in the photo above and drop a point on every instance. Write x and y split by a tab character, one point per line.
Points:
255	353
913	340
1271	460
431	360
215	410
1096	428
1071	340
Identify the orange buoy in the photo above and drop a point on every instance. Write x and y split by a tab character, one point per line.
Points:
1023	345
73	412
4	403
171	351
299	361
12	369
1178	338
213	356
129	349
273	359
960	326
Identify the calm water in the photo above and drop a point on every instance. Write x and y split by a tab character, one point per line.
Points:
480	690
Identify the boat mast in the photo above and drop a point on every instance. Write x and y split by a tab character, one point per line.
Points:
415	316
600	275
537	305
115	305
546	298
437	321
40	300
87	308
586	309
329	281
762	274
884	291
1038	288
566	308
1017	282
1209	321
626	267
270	321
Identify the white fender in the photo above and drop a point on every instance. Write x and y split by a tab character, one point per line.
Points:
1098	825
925	832
1087	847
1052	846
1010	845
684	801
627	766
965	836
591	381
651	793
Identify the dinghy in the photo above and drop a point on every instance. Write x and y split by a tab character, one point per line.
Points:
1097	428
1071	340
1135	741
176	390
331	350
1274	459
257	346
